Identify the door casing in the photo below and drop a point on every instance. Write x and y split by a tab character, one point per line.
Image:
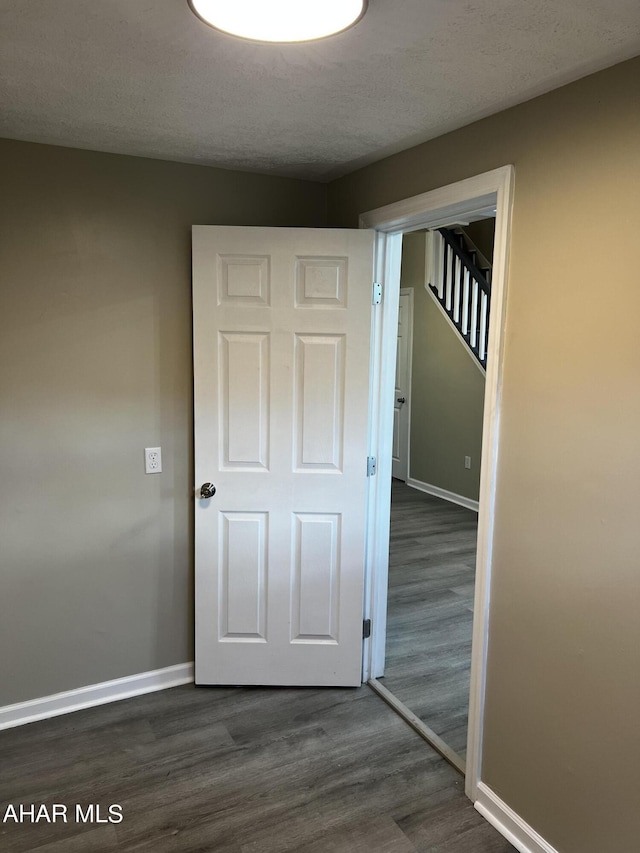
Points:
488	191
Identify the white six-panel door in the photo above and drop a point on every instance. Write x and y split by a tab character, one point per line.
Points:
281	372
400	446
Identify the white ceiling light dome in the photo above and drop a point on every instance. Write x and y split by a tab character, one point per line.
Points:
280	20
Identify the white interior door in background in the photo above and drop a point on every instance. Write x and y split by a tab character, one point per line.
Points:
401	408
281	370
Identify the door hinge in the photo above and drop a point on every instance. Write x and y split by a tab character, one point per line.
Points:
366	629
371	466
377	293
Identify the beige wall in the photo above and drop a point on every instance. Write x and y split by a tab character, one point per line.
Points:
95	364
447	389
562	738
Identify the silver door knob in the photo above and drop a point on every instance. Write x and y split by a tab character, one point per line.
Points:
207	490
401	400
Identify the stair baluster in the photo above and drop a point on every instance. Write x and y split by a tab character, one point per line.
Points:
465	293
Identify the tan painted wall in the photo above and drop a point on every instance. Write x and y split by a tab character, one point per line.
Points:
562	738
447	389
95	364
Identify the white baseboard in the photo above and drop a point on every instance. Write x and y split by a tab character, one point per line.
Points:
437	492
95	694
509	824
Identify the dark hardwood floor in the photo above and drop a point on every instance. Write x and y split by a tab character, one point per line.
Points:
430	610
258	770
239	770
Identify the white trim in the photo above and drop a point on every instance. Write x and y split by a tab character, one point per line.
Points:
504	180
95	694
388	255
456	331
509	824
437	492
430	210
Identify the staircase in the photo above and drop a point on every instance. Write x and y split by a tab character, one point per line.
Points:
463	288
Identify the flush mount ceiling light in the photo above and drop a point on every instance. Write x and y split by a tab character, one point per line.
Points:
280	20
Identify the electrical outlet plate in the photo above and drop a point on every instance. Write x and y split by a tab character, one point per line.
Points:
152	460
467	462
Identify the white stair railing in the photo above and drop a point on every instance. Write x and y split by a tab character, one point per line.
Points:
463	291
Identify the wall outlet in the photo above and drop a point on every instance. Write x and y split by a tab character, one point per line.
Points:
152	460
467	462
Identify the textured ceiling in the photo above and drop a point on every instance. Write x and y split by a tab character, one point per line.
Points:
146	77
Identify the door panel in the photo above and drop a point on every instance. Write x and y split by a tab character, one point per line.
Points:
316	578
243	587
281	371
243	400
319	393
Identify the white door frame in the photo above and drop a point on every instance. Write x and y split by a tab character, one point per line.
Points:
428	210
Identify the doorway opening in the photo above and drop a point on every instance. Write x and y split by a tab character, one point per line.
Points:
437	439
481	197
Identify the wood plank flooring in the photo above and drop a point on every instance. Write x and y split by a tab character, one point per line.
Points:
239	770
430	610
